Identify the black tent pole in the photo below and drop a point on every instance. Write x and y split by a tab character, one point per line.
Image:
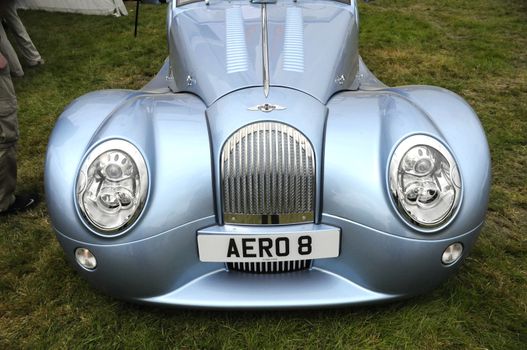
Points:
136	17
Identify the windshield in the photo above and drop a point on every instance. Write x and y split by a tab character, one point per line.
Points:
186	2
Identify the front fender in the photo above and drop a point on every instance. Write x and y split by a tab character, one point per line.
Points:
363	129
171	133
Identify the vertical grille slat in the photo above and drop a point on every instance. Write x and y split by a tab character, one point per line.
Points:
268	175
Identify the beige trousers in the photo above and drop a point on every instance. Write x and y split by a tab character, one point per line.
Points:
26	47
8	138
9	52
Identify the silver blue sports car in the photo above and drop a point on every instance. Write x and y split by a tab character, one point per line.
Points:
265	167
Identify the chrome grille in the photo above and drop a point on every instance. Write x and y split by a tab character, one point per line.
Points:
270	266
268	175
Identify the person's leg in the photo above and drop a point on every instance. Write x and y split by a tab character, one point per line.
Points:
27	49
7	177
7	49
8	139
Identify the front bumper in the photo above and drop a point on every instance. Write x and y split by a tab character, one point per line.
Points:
373	266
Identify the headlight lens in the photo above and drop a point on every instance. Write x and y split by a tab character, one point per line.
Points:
112	186
424	181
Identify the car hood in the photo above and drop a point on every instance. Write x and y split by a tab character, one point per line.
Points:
217	49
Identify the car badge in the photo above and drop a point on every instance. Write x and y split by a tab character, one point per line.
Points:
267	107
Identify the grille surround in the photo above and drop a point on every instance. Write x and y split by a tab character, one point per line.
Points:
268	175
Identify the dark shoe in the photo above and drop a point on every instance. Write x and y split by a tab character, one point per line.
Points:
22	203
36	63
18	74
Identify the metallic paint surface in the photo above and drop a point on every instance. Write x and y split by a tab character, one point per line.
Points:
197	47
165	269
181	136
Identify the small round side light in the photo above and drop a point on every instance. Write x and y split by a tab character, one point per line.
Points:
85	258
452	253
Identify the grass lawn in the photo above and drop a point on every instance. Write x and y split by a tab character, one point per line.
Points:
477	48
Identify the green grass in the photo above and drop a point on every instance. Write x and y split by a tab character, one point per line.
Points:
477	48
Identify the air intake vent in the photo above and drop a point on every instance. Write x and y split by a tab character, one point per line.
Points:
235	45
294	40
271	267
268	175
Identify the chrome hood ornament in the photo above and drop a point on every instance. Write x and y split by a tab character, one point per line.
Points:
265	52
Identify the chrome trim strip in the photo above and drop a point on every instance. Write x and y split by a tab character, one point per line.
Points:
265	51
279	219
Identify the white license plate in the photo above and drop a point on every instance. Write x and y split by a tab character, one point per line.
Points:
269	247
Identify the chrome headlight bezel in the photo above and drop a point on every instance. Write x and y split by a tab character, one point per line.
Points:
141	186
393	179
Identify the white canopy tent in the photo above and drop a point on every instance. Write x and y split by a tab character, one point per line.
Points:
89	7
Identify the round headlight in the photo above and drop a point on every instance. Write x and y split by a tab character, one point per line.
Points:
112	186
424	181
